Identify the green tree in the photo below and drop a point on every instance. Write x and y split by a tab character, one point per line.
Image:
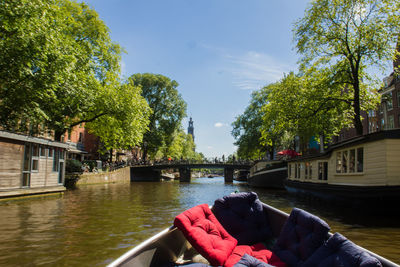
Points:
247	127
345	37
168	110
126	120
57	64
303	106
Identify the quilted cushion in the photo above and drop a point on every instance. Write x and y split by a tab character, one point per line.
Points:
242	215
339	251
301	235
257	251
249	261
206	234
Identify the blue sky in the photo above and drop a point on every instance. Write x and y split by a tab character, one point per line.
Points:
219	51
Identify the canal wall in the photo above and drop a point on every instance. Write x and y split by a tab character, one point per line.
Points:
120	175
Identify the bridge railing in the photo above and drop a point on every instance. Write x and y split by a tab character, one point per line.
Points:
192	161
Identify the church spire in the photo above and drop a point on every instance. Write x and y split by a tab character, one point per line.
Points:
191	128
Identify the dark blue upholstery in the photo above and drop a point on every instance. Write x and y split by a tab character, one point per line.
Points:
249	261
172	264
338	251
242	215
301	235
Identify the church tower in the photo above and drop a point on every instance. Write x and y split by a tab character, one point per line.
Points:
191	128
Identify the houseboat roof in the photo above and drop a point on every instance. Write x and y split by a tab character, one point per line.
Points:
371	137
32	139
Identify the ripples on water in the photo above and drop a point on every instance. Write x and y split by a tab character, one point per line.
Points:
93	225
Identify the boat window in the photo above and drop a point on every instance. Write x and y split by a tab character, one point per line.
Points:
338	162
56	159
306	170
360	159
299	170
35	158
42	151
344	161
320	170
352	161
323	170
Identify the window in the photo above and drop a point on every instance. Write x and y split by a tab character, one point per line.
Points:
35	158
295	171
338	162
51	152
323	170
298	170
360	159
306	170
55	160
350	161
26	171
398	98
80	138
289	170
388	98
390	124
344	161
42	151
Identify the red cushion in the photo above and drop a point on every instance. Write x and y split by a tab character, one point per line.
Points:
258	251
206	234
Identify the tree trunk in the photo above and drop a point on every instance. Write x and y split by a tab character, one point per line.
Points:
357	110
111	155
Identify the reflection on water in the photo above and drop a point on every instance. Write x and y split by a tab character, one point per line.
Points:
92	225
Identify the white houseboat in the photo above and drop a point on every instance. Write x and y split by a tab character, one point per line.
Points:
364	169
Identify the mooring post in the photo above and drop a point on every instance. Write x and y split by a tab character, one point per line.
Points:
228	175
184	174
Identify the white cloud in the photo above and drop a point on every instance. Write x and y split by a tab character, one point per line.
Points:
253	70
219	124
210	147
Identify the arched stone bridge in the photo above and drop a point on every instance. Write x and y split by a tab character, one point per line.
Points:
153	172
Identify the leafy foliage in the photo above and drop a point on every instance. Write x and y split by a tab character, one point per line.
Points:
247	127
59	68
345	37
168	110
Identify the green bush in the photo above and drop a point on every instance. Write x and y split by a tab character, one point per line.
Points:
73	165
90	163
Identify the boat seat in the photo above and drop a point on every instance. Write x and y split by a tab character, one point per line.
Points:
257	251
241	214
204	232
249	261
301	235
339	251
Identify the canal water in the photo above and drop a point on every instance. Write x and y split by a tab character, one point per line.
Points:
93	225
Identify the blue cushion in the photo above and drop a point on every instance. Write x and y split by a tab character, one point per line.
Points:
242	215
301	235
172	264
339	251
249	261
